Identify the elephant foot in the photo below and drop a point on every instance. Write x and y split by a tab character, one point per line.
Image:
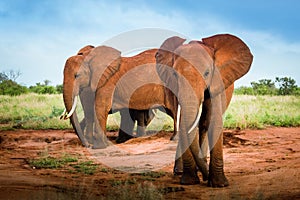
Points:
189	177
217	180
99	144
204	176
89	139
204	170
178	167
123	138
141	132
174	137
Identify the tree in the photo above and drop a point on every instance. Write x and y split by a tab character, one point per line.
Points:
47	82
59	89
287	86
243	90
264	87
13	75
8	84
3	77
43	88
10	87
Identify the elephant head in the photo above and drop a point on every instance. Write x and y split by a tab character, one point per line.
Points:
72	66
189	71
91	67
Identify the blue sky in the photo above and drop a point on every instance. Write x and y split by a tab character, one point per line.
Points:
37	36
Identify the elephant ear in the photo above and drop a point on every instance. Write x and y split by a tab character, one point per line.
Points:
232	60
85	50
103	63
165	59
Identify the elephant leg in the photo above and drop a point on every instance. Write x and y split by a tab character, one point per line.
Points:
100	140
203	129
217	177
178	165
189	144
215	135
192	157
141	130
78	130
149	115
126	127
87	99
141	116
82	124
174	116
89	131
88	128
189	172
203	143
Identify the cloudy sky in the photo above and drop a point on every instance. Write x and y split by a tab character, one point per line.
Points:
37	36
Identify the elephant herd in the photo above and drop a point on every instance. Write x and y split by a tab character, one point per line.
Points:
191	81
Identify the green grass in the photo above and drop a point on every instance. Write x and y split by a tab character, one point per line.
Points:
124	190
70	162
261	111
34	111
48	162
87	167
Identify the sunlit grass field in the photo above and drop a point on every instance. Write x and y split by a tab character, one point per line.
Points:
33	111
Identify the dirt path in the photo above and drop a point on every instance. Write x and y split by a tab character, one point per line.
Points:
260	164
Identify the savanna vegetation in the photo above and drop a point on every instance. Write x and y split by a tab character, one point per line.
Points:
42	111
265	103
9	85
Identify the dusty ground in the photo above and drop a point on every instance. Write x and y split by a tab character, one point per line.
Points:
260	164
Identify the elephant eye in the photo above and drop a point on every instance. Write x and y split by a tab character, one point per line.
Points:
206	73
77	75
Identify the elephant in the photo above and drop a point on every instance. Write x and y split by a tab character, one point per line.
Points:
143	117
118	84
201	75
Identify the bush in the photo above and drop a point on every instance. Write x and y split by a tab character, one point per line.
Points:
43	89
243	90
59	89
264	87
9	87
285	86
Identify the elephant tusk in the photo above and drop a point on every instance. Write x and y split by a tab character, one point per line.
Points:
178	117
73	108
154	113
63	114
197	119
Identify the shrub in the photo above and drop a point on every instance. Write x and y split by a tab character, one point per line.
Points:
287	86
243	90
9	87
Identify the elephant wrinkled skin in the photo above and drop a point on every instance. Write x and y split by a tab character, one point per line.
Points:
118	83
202	74
85	128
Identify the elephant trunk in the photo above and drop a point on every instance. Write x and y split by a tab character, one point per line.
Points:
190	116
70	105
70	100
189	138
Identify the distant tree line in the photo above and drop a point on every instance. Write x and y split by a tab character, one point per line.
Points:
9	86
281	86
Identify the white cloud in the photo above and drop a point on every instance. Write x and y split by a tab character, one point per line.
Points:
40	50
